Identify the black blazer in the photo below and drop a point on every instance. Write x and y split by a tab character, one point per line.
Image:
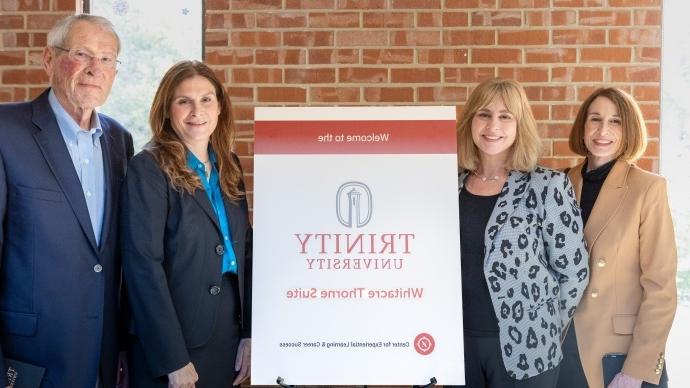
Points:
58	288
172	259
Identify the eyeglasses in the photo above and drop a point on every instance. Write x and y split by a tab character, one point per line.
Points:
82	56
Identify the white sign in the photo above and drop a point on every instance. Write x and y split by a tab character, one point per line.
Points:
356	247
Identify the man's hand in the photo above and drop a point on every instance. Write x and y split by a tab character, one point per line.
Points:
243	361
624	381
184	377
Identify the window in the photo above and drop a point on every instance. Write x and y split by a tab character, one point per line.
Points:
155	34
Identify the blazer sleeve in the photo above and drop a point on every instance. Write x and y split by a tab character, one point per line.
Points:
246	330
3	206
143	223
658	262
565	246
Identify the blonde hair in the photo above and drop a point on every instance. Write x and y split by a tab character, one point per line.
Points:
634	141
168	148
524	152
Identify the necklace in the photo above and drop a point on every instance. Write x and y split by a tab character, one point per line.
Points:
489	178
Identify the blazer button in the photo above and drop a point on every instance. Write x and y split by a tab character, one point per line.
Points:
97	268
215	290
594	294
601	263
220	249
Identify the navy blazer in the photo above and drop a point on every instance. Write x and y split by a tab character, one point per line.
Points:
536	267
172	260
58	288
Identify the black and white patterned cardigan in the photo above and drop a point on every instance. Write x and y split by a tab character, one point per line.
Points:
536	266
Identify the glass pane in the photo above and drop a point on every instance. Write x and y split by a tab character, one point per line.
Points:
155	34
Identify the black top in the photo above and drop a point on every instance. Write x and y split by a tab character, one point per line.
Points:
591	186
478	312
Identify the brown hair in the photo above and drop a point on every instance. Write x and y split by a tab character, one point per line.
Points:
168	148
524	153
634	141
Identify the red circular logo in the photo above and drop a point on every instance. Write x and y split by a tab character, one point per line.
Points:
424	344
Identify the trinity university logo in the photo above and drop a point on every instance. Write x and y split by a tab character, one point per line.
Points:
353	204
424	344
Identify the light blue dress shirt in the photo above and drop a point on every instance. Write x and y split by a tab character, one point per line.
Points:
85	150
215	196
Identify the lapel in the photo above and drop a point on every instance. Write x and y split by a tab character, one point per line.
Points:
202	200
607	203
506	204
110	187
52	145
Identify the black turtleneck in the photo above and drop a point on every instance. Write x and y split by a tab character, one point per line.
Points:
591	186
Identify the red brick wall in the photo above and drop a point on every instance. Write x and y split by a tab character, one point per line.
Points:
396	52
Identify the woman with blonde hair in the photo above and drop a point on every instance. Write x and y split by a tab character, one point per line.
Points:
621	326
524	261
187	241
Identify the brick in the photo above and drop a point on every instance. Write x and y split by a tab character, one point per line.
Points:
605	54
564	112
646	93
525	74
281	20
516	38
550	93
24	77
361	4
387	56
229	21
256	4
308	38
254	39
648	164
649	111
577	74
416	4
524	3
35	58
65	5
468	75
470	4
282	94
579	37
652	129
467	38
415	38
24	5
442	56
216	39
217	5
652	148
333	19
578	3
496	18
450	94
361	38
557	130
333	56
309	4
416	75
502	56
388	19
11	22
647	54
634	3
605	18
244	94
442	19
647	17
363	75
220	73
43	21
546	146
558	163
540	111
230	57
309	76
257	76
9	58
561	148
281	57
636	36
551	18
389	94
634	73
334	94
34	92
551	55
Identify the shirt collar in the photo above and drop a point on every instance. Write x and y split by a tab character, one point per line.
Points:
197	165
69	128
